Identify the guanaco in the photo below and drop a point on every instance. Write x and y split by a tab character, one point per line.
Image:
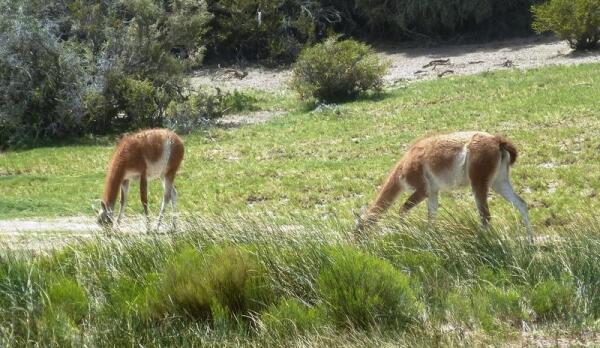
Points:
447	161
148	154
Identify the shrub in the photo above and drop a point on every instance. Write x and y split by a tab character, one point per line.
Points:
198	108
82	66
217	281
362	291
289	318
182	287
577	21
552	299
337	70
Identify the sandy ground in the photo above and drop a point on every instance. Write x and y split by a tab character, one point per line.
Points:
407	64
411	64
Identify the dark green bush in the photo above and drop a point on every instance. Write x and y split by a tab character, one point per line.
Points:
577	21
82	66
42	82
553	299
290	317
362	291
266	29
182	287
433	19
334	71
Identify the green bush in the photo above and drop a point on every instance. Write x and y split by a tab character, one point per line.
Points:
57	329
334	71
194	111
212	282
553	299
362	291
577	21
289	318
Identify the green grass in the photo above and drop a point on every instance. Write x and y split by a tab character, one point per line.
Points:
235	282
327	163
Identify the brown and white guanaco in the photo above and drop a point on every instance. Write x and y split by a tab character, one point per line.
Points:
446	161
149	154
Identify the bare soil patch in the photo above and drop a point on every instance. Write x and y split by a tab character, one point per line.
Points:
422	63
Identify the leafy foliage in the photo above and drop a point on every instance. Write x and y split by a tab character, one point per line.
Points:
577	21
335	71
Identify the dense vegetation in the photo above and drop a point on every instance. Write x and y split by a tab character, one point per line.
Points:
76	67
230	283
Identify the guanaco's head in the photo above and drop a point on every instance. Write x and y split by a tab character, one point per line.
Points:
105	216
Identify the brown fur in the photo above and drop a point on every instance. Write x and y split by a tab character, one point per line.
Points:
132	154
436	156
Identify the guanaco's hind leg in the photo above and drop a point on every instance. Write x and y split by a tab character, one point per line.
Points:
505	189
124	191
167	196
174	206
432	206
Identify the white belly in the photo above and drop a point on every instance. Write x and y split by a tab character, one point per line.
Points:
455	176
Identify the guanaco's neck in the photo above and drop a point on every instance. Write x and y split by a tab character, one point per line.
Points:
114	178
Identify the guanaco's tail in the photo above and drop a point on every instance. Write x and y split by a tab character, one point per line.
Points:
509	147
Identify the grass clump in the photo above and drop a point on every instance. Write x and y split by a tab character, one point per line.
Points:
335	71
577	21
552	299
363	291
211	284
67	296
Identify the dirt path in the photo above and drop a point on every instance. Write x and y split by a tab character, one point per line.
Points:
410	64
53	233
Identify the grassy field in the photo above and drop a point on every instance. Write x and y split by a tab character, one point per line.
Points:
328	163
269	213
